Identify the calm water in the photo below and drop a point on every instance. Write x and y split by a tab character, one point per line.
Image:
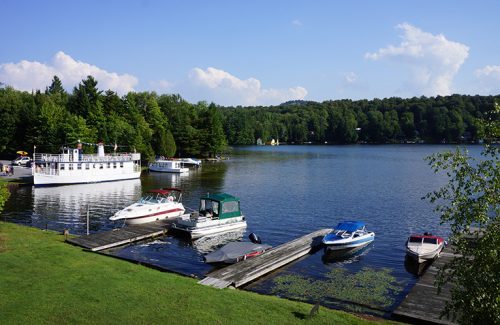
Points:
285	192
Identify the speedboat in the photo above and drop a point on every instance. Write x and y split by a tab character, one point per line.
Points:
159	204
217	213
424	247
235	252
190	162
168	166
348	235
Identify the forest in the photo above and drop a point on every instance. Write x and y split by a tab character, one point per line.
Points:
168	125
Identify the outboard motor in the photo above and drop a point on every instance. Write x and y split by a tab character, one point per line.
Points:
254	238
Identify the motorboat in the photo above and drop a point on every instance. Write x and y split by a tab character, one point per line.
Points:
424	247
190	162
158	204
217	213
234	252
168	166
348	235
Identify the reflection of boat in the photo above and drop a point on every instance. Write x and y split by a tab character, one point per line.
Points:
424	247
73	167
347	255
348	234
167	166
156	205
217	213
234	252
414	267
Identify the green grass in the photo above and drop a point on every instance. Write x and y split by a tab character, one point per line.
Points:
44	280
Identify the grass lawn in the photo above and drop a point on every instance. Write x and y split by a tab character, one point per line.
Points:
44	280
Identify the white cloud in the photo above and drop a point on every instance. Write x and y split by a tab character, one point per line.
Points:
489	77
297	23
161	86
225	89
29	75
350	78
434	60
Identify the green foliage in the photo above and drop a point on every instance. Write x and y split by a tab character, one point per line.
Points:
470	201
4	194
372	288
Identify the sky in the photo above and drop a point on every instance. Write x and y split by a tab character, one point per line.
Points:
259	52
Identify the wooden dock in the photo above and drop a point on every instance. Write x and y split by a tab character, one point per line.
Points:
423	304
120	236
245	271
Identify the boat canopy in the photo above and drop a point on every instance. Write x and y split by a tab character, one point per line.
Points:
350	225
223	205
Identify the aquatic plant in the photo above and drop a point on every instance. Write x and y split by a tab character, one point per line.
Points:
369	287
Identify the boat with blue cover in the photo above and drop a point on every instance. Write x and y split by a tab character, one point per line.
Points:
348	235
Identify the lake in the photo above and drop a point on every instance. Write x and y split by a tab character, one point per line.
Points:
285	192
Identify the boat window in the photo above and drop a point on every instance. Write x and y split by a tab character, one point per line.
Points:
232	206
70	167
430	240
79	166
121	164
415	240
87	166
63	166
114	165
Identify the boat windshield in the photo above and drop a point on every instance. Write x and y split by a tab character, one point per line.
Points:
415	239
343	233
430	240
153	199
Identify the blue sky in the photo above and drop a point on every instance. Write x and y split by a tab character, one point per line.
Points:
255	52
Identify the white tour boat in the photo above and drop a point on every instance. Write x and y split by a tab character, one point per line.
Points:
348	235
424	247
74	167
156	205
167	166
218	213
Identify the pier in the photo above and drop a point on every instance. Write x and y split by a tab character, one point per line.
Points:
120	236
423	304
246	271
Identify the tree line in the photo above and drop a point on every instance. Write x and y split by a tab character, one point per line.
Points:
170	126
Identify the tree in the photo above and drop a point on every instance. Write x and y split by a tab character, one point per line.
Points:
469	200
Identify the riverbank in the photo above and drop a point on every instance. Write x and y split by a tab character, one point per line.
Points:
45	280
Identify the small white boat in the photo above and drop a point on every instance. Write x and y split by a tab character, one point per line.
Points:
167	166
218	213
424	247
348	235
190	162
156	205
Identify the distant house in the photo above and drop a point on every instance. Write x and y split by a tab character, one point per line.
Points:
259	142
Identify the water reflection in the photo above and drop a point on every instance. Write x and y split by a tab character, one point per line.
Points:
344	256
65	207
415	268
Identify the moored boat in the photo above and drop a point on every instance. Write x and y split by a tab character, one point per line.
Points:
234	252
217	213
158	204
348	235
74	167
167	166
190	162
424	247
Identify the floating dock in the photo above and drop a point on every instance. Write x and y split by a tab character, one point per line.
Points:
245	271
423	304
120	236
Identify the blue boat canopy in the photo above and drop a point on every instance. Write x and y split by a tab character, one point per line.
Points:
350	225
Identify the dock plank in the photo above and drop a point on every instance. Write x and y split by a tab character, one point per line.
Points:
423	304
248	270
120	236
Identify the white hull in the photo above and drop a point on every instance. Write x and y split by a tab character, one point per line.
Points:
167	166
421	254
349	243
82	177
139	213
168	170
204	226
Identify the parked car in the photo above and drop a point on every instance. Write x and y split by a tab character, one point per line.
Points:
21	161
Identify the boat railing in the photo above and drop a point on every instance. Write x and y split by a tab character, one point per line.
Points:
44	157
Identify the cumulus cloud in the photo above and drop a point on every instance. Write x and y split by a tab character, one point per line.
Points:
161	85
225	89
297	23
29	75
350	78
489	77
433	59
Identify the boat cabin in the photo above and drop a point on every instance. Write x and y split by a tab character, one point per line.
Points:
220	206
425	239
